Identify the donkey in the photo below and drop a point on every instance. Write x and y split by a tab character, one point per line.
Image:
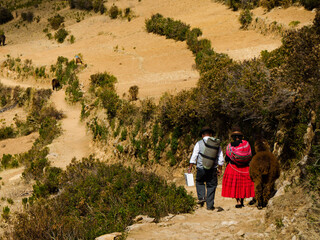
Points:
55	84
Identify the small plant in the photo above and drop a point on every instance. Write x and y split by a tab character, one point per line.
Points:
294	23
72	39
49	36
133	93
56	21
114	12
5	213
10	201
61	35
124	134
245	18
98	6
27	16
279	223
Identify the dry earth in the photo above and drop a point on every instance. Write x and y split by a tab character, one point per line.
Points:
156	65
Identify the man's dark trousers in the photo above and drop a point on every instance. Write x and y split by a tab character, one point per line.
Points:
210	178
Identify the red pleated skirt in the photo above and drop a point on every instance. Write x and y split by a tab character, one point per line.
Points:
236	182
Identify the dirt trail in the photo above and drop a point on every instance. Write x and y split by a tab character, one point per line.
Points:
231	223
74	141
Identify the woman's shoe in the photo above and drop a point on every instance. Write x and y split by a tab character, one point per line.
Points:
239	206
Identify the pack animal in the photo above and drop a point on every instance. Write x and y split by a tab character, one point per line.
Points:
2	39
56	84
264	171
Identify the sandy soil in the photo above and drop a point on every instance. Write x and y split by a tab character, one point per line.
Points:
156	65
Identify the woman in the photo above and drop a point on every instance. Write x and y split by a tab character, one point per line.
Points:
236	181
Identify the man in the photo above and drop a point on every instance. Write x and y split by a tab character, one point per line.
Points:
208	176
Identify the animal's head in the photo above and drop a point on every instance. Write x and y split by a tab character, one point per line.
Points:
261	145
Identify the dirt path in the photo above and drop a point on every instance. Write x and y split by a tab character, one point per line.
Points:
74	141
231	223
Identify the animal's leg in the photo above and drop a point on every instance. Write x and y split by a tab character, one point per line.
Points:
258	188
267	191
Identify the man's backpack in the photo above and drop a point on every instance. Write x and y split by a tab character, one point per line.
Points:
209	153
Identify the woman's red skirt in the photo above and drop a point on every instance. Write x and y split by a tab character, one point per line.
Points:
236	182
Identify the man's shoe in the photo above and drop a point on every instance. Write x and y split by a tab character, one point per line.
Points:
210	209
201	202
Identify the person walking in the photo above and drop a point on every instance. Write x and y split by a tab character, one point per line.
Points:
206	179
236	182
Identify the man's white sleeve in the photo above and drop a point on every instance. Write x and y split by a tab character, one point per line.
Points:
220	157
195	154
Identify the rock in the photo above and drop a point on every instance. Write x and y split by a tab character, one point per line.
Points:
281	190
240	233
111	236
167	218
294	237
271	228
143	219
228	223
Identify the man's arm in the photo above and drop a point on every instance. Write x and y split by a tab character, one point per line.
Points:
194	157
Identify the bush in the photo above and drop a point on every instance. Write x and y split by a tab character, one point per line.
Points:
27	16
167	27
5	15
81	4
61	35
133	92
310	4
56	21
245	18
98	199
7	132
114	12
98	6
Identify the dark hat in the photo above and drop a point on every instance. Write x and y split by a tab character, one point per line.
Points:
206	129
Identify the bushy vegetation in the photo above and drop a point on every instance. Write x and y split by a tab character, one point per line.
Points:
61	35
81	4
269	4
96	199
5	15
114	12
27	16
25	68
41	117
56	21
245	18
167	27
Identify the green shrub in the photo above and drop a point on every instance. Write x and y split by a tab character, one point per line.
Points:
81	4
310	4
99	131
5	15
27	16
98	6
245	18
5	213
97	199
114	12
56	21
61	35
133	93
124	134
167	27
7	132
72	39
104	80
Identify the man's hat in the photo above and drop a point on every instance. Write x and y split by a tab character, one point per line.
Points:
206	129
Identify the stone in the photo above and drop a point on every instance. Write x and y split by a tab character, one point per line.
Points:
240	233
143	219
111	236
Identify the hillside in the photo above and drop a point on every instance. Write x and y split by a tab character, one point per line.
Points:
156	65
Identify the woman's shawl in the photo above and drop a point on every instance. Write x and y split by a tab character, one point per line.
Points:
241	154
